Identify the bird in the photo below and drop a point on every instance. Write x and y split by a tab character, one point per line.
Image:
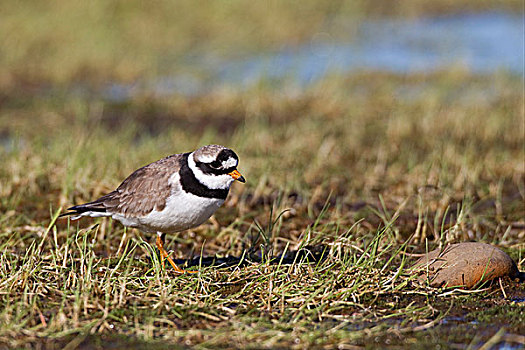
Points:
173	194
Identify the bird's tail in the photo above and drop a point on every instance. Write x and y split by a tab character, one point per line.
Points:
93	209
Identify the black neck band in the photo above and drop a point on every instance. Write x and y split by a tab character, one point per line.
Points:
191	185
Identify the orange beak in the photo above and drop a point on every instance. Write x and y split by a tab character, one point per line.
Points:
237	176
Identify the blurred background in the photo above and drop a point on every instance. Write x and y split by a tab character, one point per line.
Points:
125	48
340	99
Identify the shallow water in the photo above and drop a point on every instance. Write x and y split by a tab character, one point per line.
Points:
481	43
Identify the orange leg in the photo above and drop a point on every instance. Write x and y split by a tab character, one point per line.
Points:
164	255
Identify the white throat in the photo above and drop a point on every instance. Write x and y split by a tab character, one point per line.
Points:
209	180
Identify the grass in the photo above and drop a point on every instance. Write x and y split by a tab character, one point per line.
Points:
369	175
376	167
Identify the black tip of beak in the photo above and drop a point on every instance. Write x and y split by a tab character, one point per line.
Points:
241	179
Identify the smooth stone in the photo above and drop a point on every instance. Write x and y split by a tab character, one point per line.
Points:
465	265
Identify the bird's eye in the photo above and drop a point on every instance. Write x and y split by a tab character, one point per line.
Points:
215	164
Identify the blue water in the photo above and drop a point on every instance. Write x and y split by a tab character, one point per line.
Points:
481	43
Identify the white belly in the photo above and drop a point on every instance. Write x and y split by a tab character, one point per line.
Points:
181	212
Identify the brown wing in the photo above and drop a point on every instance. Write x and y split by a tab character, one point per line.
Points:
144	190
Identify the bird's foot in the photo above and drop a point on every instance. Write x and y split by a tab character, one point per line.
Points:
165	256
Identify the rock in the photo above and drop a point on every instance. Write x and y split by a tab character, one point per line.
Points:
466	265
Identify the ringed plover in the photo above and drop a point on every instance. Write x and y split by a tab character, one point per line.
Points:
173	194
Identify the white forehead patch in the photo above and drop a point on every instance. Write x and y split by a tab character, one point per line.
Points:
229	163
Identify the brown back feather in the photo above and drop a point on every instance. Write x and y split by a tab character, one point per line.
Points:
144	190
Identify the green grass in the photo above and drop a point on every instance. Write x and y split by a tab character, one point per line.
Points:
369	175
